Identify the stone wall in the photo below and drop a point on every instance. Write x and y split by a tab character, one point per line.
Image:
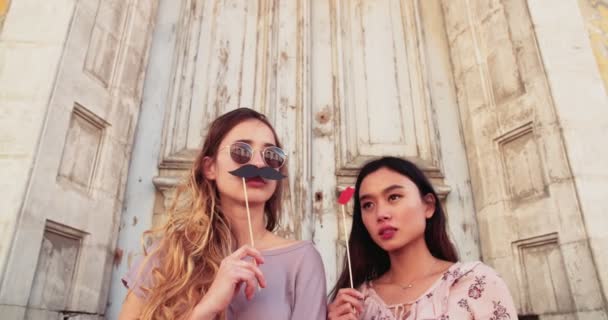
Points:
533	227
71	82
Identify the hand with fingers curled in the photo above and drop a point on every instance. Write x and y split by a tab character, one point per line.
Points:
234	271
348	305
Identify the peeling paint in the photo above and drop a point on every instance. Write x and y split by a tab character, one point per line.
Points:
465	227
320	133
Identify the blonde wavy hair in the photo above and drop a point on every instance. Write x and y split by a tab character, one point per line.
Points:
196	237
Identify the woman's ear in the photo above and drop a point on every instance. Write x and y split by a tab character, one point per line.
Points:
209	168
430	203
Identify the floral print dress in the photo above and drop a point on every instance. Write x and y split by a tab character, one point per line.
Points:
469	290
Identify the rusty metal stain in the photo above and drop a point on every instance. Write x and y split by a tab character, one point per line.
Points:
323	116
318	196
118	253
318	206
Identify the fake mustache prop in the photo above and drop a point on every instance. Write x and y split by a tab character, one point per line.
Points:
250	171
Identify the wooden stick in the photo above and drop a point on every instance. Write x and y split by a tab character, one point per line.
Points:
248	213
350	270
249	221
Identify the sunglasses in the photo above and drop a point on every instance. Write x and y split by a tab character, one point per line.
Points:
242	153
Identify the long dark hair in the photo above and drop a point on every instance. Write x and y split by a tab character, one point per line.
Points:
369	261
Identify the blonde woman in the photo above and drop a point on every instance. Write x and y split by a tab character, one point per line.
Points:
202	266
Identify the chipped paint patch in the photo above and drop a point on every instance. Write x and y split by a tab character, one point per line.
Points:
320	132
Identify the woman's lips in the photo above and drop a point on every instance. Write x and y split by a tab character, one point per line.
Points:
387	233
255	182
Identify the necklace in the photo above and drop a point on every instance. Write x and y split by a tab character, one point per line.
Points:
411	283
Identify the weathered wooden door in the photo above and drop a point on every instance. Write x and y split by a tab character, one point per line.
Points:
370	97
342	81
239	54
